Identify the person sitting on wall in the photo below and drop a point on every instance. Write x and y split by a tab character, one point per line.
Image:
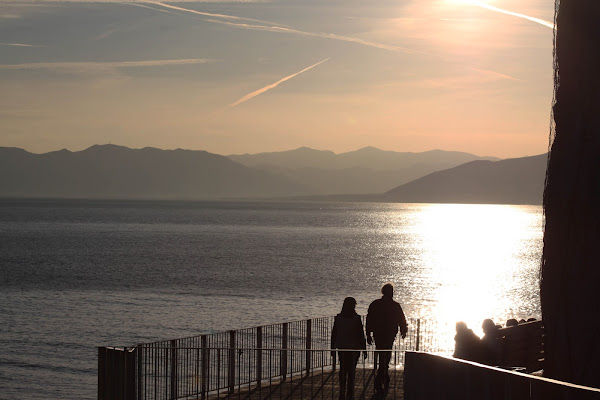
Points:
512	322
490	343
348	333
467	344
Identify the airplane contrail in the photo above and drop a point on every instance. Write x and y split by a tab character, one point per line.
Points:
150	8
91	65
20	45
206	14
271	27
514	14
272	85
495	74
351	39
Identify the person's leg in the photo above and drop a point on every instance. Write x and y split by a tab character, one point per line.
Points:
352	375
344	367
382	379
379	376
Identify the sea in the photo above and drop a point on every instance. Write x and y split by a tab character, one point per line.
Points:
79	274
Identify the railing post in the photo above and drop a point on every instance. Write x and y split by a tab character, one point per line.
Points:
308	345
204	363
231	363
116	373
131	368
102	373
418	333
284	346
259	365
174	369
139	354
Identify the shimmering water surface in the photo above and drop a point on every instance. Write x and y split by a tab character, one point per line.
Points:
80	274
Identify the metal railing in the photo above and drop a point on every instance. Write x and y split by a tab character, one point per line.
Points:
205	365
258	372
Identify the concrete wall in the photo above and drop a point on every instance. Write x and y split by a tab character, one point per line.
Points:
430	377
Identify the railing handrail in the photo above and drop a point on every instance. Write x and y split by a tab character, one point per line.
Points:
242	329
200	364
257	349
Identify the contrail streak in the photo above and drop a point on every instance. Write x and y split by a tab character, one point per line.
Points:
224	16
104	65
20	45
514	14
272	85
351	39
150	8
495	74
271	27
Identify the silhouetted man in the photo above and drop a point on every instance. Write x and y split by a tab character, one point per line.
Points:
383	319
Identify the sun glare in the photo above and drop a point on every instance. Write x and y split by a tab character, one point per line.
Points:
473	253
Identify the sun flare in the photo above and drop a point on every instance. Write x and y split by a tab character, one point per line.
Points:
474	253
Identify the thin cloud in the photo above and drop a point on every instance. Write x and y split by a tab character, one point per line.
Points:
205	14
84	66
283	29
40	2
150	8
495	74
351	39
514	14
465	82
107	34
20	45
271	86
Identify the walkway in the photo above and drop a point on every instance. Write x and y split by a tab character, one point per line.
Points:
318	385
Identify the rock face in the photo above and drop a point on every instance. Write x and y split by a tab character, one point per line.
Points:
512	181
570	275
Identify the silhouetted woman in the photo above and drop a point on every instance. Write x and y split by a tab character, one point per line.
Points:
348	333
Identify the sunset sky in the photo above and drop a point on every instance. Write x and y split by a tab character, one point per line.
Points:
255	76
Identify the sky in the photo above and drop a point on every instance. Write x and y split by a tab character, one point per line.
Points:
258	76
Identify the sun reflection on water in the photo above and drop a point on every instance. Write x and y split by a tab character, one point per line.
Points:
477	260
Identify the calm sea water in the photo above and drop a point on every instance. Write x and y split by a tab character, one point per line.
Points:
80	274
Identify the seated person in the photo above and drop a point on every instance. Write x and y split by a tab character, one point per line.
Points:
490	343
467	344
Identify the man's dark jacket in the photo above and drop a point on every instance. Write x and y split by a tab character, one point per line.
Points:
384	317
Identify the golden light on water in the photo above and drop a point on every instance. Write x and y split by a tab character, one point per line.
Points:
478	263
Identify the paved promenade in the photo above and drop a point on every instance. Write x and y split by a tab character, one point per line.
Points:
318	385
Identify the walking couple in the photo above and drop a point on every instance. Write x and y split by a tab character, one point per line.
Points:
384	318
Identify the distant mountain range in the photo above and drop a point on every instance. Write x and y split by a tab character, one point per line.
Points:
511	181
367	170
109	171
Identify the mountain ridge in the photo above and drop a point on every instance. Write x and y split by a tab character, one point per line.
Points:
362	171
113	171
510	181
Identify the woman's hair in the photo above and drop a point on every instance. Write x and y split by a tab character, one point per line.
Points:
348	306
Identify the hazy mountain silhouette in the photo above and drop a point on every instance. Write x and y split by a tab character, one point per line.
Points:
367	170
511	181
109	171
